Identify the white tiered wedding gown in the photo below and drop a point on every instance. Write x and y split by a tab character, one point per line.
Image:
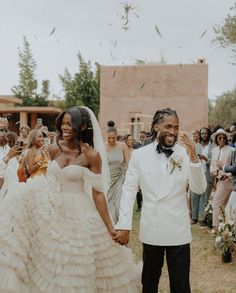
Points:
53	240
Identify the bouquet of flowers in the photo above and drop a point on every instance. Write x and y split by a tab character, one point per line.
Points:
209	213
226	235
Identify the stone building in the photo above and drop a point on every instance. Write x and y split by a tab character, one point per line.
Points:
130	95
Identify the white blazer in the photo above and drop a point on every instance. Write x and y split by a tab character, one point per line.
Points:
165	215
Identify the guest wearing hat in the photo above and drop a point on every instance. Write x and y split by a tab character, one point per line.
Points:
8	161
222	152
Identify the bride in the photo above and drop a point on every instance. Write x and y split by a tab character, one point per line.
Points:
55	230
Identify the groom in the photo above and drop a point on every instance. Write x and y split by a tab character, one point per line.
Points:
162	169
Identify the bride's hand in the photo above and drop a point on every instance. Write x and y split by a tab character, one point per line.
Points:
112	232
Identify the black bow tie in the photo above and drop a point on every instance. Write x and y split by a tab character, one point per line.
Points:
167	152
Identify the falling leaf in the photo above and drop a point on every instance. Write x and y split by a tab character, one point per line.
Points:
125	28
114	73
142	86
158	31
139	61
113	58
35	37
192	60
127	8
203	34
52	32
136	15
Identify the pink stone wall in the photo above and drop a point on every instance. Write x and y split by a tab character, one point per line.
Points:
143	89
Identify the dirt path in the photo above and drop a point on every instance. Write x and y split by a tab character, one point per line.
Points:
208	273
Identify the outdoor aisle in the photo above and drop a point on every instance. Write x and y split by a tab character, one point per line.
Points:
208	273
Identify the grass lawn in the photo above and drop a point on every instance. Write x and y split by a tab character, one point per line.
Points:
208	273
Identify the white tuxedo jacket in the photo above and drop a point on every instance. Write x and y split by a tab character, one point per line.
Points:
165	216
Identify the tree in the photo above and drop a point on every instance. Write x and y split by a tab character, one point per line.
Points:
223	111
27	88
226	33
84	87
42	99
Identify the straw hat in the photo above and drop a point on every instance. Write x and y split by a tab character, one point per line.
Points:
219	131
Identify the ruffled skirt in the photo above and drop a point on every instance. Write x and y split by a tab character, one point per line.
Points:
46	246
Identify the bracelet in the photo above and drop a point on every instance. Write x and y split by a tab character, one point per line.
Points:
6	159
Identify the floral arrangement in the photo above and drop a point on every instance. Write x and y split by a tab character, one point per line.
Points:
175	162
225	238
209	214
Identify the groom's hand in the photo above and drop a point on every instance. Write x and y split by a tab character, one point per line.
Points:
189	146
122	237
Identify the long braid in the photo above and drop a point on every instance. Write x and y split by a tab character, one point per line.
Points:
159	117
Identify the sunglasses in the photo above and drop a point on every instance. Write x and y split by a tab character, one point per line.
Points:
221	138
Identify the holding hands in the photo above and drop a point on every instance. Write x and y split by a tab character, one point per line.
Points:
122	236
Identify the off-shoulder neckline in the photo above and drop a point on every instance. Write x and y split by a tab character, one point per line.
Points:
74	165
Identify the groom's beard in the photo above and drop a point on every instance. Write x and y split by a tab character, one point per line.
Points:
162	141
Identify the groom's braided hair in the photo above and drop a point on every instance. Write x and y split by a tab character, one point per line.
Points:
159	117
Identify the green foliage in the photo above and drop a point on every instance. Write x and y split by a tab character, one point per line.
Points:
84	87
226	33
28	84
223	111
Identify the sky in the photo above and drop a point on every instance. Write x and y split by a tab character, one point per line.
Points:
58	29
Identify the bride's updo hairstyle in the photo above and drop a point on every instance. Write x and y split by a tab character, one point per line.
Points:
81	123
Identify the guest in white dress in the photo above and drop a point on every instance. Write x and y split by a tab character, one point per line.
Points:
8	161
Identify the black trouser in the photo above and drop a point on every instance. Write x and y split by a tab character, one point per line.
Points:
139	198
178	263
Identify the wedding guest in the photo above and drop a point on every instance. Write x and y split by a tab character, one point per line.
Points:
36	157
12	138
118	157
233	135
199	201
129	141
162	169
230	210
142	136
195	136
8	161
56	232
24	133
222	152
